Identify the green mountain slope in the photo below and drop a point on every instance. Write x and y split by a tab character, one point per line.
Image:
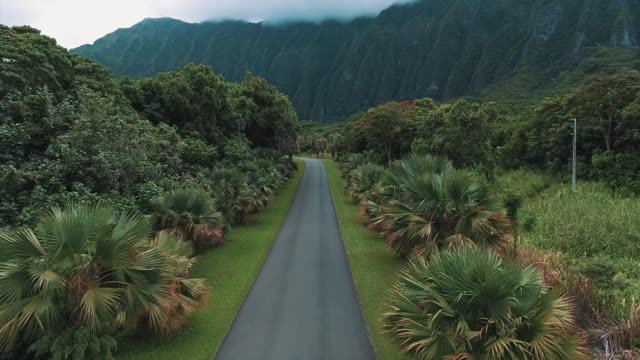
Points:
431	48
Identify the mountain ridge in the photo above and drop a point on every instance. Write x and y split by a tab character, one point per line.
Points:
430	48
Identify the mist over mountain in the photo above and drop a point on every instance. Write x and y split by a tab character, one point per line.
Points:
430	48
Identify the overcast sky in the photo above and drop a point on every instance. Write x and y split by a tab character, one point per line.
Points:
77	22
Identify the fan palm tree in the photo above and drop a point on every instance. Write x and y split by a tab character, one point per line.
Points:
234	197
95	268
364	181
263	184
350	163
426	204
192	216
182	295
469	305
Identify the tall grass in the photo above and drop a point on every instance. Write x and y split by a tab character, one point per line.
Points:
588	223
597	231
524	183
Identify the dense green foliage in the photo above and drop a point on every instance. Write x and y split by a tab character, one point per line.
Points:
479	136
199	155
586	239
596	270
390	131
69	131
470	305
79	277
200	103
364	180
586	242
428	48
607	109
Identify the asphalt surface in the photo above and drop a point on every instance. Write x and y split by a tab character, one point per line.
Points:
303	304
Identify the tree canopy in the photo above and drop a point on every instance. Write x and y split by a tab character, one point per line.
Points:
69	130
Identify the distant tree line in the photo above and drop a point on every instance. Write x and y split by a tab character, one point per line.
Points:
472	134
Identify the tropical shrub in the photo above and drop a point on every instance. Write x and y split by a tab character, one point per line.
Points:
568	280
350	163
264	179
191	216
364	180
182	295
234	196
91	272
286	167
75	344
470	305
429	205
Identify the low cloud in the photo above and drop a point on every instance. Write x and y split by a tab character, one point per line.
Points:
77	22
274	10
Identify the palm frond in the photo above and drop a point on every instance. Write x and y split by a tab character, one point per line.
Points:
468	304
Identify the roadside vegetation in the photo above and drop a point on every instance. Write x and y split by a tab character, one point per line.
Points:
599	290
459	186
229	273
119	198
563	221
373	265
136	213
470	304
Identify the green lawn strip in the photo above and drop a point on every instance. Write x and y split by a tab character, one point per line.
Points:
373	265
230	272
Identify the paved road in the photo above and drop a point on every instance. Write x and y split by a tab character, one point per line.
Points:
303	305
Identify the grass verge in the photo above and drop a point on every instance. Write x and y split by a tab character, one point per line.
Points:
373	265
230	272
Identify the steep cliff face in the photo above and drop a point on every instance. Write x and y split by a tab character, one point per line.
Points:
436	48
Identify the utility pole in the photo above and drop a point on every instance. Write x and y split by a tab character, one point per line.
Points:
575	141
